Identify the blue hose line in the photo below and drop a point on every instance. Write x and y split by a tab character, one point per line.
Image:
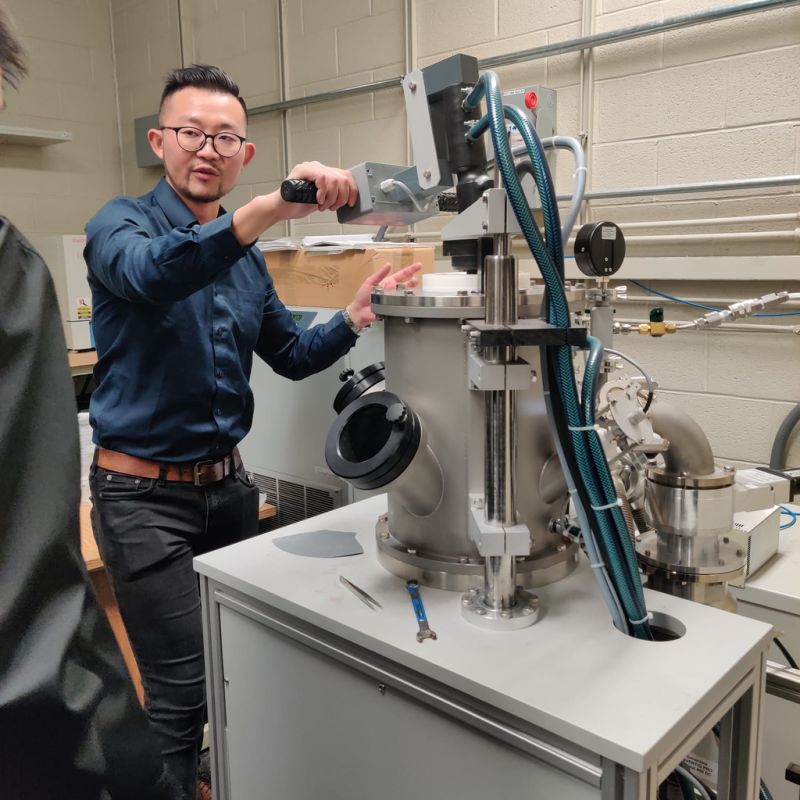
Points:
560	312
494	120
541	170
597	453
628	573
627	582
590	542
591	375
789	513
691	303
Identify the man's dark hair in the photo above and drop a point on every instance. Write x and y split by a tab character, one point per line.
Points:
201	76
12	53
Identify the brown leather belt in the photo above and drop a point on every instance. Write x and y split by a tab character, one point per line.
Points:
199	473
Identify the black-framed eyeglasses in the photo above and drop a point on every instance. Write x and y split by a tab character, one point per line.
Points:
226	144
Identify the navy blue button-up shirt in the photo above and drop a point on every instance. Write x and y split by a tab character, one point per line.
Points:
178	310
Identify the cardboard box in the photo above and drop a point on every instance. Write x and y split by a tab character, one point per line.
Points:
330	279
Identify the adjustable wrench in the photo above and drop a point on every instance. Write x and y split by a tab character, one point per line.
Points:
424	631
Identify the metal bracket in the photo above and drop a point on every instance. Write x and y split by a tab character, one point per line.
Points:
525	332
490	215
376	207
420	129
493	539
486	377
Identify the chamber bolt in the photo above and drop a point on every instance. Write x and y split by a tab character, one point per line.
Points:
726	539
740	552
412	86
426	173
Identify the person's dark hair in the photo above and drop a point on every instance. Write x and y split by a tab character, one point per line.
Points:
201	76
12	53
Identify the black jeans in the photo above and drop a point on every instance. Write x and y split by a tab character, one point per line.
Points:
148	532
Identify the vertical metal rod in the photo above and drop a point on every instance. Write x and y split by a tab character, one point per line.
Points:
500	291
284	88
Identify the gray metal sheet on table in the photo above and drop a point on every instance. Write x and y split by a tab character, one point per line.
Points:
571	673
320	544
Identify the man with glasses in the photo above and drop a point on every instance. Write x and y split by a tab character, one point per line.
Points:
181	301
70	723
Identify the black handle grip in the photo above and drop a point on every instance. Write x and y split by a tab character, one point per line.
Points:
295	190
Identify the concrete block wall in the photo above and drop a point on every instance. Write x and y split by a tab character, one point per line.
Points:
146	37
714	102
55	189
336	45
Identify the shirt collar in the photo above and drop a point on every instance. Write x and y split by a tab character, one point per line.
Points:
174	208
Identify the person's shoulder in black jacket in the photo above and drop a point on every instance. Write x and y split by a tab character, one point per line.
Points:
70	723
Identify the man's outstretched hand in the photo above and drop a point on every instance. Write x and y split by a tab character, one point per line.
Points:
360	309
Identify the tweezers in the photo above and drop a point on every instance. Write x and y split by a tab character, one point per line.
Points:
368	601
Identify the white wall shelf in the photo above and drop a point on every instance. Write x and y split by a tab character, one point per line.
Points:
32	137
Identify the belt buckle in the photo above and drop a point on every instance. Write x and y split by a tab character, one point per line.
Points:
197	466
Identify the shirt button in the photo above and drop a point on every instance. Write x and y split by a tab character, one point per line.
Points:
220	373
218	412
221	332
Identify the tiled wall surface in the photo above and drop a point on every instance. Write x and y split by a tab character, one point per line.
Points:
55	189
712	102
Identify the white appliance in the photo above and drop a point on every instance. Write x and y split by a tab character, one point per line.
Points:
285	449
64	257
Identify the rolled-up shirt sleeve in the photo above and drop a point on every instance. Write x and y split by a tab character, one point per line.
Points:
138	267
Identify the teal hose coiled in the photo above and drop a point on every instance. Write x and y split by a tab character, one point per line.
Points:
585	445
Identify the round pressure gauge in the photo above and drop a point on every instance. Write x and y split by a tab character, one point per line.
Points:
599	249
